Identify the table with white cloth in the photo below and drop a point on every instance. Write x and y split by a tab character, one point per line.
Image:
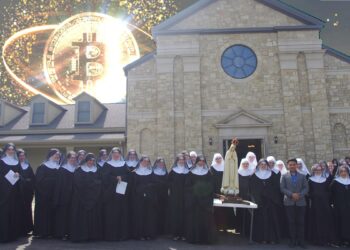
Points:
250	206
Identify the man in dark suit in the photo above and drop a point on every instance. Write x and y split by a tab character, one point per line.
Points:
294	186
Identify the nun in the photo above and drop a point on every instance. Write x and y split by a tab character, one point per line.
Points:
325	170
251	157
192	160
160	175
276	176
332	169
187	158
27	185
221	215
86	223
176	181
320	212
115	204
244	174
199	203
217	169
63	195
340	189
45	183
281	167
132	159
144	201
302	168
261	186
10	202
102	157
81	156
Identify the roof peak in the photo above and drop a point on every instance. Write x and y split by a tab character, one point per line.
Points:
282	7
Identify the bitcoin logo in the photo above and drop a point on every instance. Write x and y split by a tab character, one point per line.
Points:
87	53
88	61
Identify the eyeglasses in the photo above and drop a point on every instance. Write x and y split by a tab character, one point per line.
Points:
219	158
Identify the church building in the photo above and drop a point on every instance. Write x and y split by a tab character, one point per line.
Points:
252	69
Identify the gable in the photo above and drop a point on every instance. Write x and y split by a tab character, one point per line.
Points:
238	14
9	112
242	119
96	107
52	110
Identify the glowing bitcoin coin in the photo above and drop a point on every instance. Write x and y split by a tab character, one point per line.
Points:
87	52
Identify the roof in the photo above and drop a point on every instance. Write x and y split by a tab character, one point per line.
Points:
112	118
139	61
13	106
304	17
338	54
51	102
83	93
73	138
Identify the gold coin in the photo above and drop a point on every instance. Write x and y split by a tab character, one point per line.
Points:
87	53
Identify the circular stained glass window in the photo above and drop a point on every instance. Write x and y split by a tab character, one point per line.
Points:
239	61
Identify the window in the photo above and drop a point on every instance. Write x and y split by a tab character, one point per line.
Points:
239	61
83	111
38	113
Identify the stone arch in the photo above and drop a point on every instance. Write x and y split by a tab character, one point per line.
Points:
339	136
147	142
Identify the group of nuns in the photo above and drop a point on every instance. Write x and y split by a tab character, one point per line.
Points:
77	198
327	214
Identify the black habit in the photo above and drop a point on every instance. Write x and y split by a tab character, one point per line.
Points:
10	204
161	189
115	206
199	208
144	206
86	213
27	185
320	213
177	204
243	217
341	199
266	224
44	212
63	201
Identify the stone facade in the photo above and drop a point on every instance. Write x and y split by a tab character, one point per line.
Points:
180	98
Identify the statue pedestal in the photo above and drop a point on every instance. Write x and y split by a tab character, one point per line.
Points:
233	199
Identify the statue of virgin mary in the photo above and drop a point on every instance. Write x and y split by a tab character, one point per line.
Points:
230	185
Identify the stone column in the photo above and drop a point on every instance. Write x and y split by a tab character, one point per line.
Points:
319	104
291	104
193	104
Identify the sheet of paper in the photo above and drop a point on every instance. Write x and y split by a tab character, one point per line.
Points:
121	187
217	201
10	176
